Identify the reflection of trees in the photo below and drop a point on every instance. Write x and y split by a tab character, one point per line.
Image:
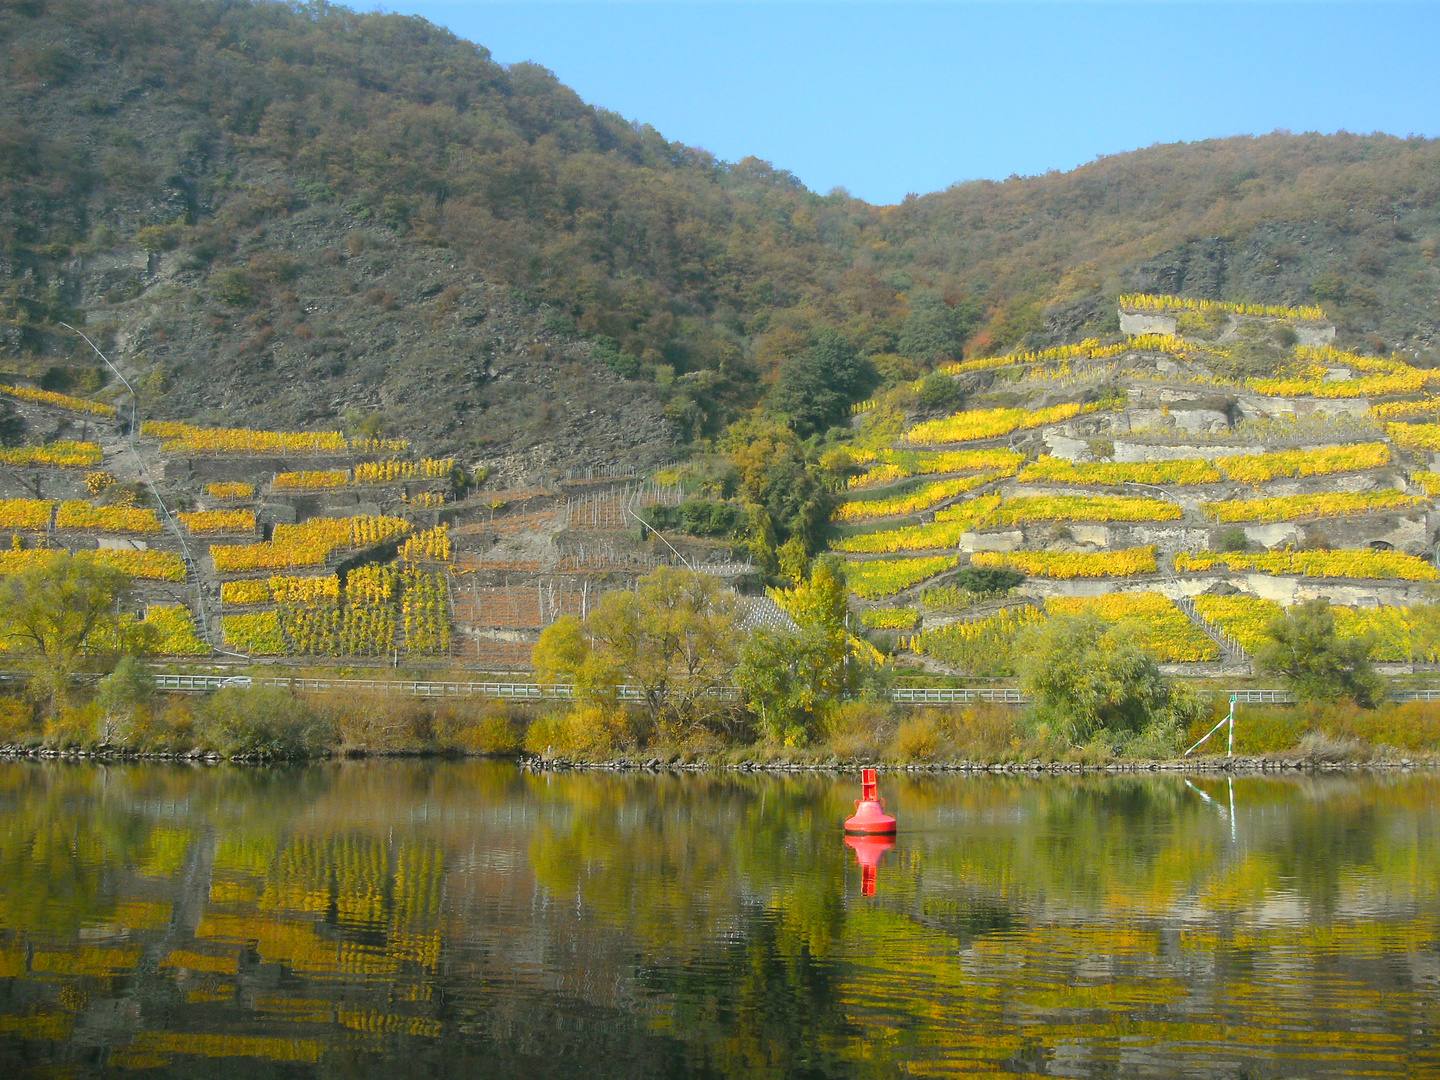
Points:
428	914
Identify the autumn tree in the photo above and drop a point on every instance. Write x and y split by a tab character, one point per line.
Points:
60	611
816	389
1319	665
789	676
674	638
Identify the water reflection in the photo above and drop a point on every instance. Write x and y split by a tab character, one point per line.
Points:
427	919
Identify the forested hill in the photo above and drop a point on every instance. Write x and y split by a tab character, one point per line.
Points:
284	215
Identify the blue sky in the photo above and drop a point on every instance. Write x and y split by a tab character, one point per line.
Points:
885	99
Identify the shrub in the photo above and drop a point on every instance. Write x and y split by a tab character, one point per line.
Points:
988	580
938	390
266	722
918	738
584	731
17	722
1232	540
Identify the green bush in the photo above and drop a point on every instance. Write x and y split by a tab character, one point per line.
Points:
261	722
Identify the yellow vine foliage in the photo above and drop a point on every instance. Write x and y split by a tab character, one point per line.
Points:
1257	468
304	590
1406	410
432	544
1415	436
257	634
886	577
899	464
1400	634
944	532
1299	507
1429	482
176	631
150	565
97	482
246	591
920	499
218	521
62	401
1147	302
989	423
236	490
1178	472
384	472
1348	563
425	611
1160	627
63	455
74	514
1127	562
1309	373
890	618
307	544
187	439
31	514
1085	508
311	480
982	645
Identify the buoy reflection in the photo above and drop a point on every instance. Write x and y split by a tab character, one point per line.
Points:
869	851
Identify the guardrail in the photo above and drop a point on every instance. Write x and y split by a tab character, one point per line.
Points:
901	695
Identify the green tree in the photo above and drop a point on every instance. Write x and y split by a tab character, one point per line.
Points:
934	331
60	612
789	676
988	580
675	637
816	388
1318	664
1087	677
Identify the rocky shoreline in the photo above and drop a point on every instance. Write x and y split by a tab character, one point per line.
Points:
535	763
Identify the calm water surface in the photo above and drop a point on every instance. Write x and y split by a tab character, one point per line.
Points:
468	919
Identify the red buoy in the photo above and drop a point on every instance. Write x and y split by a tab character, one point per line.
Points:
869	818
869	850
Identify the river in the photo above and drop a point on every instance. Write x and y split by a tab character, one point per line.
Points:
469	919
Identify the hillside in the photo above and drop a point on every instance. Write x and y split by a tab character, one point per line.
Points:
314	218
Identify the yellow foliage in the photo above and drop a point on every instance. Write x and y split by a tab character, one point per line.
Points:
64	455
944	532
258	634
32	514
1147	302
989	423
154	565
890	618
218	521
304	590
230	491
1179	472
920	499
1353	563
1429	482
1067	564
1415	436
898	464
384	472
1297	507
97	482
311	480
63	401
1257	468
431	544
74	514
1406	410
248	591
308	544
885	577
187	439
1160	627
1085	508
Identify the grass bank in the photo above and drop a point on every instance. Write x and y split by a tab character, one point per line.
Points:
268	723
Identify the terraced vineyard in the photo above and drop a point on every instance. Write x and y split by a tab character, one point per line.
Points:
1128	477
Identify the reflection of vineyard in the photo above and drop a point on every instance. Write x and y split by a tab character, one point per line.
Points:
476	913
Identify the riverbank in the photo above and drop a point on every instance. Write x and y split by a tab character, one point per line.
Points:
260	724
